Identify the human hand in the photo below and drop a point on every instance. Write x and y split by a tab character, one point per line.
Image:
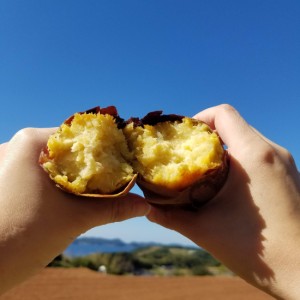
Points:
38	220
253	224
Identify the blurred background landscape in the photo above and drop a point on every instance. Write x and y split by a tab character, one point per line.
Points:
113	256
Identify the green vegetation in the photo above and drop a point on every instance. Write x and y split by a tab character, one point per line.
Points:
156	260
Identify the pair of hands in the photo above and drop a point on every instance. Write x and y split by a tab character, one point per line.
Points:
252	225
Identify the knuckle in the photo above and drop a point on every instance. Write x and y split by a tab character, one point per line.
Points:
27	144
286	154
270	155
267	154
25	136
227	107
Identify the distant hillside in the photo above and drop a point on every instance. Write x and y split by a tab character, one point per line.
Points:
120	258
88	245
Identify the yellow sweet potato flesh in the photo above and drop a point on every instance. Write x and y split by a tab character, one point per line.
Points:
89	156
174	154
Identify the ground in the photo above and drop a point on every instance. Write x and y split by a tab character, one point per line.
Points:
84	284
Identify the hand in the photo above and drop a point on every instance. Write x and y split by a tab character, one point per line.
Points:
253	224
38	220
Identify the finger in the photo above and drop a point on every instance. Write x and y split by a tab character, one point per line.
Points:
271	143
105	211
231	127
182	221
281	151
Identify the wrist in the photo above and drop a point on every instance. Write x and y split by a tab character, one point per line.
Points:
284	270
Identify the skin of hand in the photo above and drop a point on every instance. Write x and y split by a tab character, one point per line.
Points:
253	224
38	220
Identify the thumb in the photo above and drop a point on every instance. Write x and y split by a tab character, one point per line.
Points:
116	210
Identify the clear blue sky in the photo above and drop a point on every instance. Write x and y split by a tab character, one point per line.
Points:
59	57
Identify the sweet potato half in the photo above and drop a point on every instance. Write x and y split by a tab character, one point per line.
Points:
175	160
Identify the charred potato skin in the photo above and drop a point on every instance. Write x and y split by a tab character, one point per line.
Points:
194	196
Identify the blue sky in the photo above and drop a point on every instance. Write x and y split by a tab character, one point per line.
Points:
59	57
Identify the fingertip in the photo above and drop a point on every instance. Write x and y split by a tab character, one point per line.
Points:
143	207
153	214
140	206
169	217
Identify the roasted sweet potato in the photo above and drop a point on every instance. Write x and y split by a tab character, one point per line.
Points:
175	160
89	156
179	160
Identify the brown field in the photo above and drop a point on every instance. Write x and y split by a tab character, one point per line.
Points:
84	284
